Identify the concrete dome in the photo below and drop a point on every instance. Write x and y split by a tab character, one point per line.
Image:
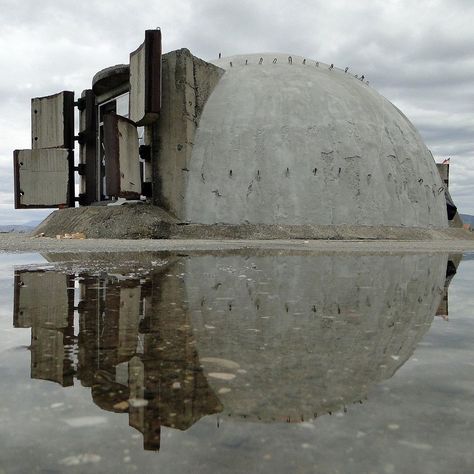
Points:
282	143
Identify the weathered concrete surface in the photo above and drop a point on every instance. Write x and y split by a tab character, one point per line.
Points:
301	144
145	80
145	221
122	166
43	177
52	121
137	84
187	83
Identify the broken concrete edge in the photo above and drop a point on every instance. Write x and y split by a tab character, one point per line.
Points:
187	83
143	221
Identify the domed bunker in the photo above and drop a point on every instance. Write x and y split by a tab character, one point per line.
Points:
264	140
295	143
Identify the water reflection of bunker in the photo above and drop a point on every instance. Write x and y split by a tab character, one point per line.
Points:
308	335
270	338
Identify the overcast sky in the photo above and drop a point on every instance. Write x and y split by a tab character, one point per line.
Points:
420	55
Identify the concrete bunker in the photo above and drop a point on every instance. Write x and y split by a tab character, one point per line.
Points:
252	139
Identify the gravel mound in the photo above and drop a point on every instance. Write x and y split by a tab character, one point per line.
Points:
129	221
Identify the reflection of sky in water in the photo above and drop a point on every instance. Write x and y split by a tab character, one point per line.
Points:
420	420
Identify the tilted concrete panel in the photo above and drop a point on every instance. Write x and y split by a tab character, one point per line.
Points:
145	79
52	121
301	143
42	178
122	162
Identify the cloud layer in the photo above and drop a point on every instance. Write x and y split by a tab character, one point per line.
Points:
417	54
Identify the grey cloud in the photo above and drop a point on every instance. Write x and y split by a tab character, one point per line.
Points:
445	134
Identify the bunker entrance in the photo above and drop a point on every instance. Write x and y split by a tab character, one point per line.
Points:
116	152
124	99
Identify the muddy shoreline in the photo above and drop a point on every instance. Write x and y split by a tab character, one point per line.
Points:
12	242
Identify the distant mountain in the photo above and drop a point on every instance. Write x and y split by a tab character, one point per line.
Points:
15	228
467	219
26	227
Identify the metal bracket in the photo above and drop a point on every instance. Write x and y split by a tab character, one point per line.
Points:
81	169
80	103
147	189
144	152
81	138
82	199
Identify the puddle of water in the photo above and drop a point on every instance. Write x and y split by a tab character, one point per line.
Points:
236	363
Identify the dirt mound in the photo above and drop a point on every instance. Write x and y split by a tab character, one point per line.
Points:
130	221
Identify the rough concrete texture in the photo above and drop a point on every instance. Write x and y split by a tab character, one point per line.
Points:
187	83
52	121
141	221
122	167
282	143
43	177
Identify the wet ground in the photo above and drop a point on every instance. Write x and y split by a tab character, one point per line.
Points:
247	360
16	242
